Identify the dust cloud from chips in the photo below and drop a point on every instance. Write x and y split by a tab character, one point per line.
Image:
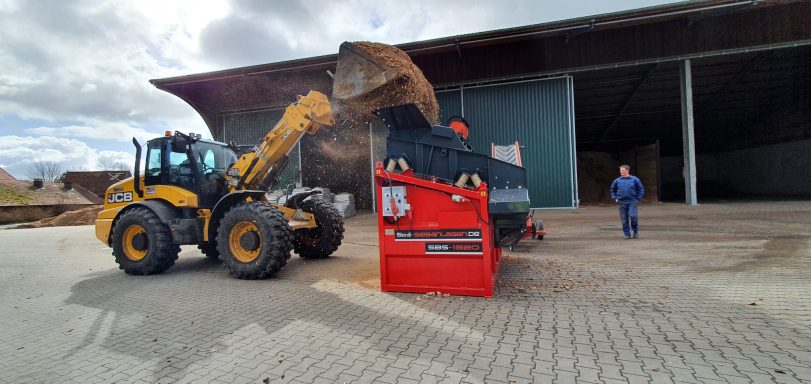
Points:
341	152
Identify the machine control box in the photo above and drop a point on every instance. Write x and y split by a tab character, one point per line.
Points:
394	202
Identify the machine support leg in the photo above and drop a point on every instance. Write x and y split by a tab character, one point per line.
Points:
688	136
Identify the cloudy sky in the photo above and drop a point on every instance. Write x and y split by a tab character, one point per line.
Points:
74	75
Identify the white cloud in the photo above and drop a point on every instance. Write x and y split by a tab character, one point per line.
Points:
88	60
17	152
112	131
115	158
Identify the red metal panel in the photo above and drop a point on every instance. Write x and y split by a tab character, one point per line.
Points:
441	245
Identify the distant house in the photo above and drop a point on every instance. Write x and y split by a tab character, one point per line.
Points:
5	176
96	181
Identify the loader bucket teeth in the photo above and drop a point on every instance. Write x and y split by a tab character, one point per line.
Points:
357	73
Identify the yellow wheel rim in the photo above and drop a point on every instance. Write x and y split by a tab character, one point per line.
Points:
237	244
130	251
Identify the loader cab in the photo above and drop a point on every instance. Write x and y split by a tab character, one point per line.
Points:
187	162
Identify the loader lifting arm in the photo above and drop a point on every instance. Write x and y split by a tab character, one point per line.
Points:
257	170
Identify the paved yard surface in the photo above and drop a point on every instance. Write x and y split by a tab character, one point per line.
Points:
709	294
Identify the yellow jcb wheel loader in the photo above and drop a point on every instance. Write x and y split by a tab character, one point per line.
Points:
196	191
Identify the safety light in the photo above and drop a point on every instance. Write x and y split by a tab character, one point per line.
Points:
167	133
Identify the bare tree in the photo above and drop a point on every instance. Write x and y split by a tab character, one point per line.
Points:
112	165
48	171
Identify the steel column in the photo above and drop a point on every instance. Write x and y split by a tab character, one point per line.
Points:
688	136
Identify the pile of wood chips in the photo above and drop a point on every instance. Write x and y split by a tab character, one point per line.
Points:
410	86
84	216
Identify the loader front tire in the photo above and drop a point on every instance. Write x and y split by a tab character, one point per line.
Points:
322	241
254	240
142	243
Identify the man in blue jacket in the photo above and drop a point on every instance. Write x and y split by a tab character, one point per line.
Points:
627	190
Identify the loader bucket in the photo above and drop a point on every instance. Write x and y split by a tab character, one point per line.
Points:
358	74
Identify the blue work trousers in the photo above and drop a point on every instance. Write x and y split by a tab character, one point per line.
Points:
629	213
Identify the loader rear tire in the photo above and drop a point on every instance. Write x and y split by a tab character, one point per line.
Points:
254	240
210	250
322	241
142	243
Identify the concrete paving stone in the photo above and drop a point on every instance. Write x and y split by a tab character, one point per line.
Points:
192	377
545	354
693	376
445	356
635	379
402	362
589	375
798	355
787	359
586	362
321	380
414	372
544	367
483	363
759	377
310	374
391	375
701	372
607	358
606	380
503	360
563	364
787	379
475	374
649	364
802	373
453	377
632	368
745	365
522	370
461	364
565	377
347	378
627	355
611	371
711	355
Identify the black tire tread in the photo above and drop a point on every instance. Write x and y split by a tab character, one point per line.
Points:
210	250
274	253
331	226
162	252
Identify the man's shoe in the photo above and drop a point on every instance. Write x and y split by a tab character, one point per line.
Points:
627	237
636	235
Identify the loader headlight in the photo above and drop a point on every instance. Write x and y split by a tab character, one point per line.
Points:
233	171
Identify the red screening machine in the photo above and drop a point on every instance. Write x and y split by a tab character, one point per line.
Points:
444	212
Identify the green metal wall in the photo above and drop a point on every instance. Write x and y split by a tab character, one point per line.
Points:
450	104
247	128
538	114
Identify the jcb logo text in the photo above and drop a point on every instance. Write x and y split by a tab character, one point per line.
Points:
121	197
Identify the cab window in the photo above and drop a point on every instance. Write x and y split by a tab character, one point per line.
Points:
180	171
154	161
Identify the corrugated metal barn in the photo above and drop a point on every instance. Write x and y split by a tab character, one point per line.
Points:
705	100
